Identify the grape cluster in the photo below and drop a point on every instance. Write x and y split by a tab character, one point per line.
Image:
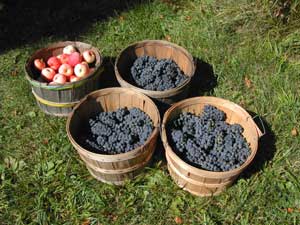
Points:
119	131
157	75
207	141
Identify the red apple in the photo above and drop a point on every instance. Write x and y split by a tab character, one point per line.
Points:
85	63
53	83
54	62
59	79
63	58
69	49
89	56
81	70
65	69
39	64
48	73
74	78
74	59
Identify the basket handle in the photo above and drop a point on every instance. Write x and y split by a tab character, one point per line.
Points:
260	134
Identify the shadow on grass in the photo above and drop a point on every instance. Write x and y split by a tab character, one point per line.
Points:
108	77
25	22
266	148
159	154
204	81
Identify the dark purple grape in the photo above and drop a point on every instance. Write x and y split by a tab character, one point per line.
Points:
157	75
119	131
207	141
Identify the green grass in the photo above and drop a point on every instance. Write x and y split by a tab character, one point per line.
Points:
43	181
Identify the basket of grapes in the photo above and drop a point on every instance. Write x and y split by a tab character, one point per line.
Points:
115	131
159	69
209	141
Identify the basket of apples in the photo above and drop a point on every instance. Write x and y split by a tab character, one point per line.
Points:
62	74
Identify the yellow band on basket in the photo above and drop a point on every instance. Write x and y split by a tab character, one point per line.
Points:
54	104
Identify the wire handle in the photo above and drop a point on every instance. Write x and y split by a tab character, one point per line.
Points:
262	124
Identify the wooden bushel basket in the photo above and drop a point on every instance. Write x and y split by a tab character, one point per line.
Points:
159	49
59	100
114	169
198	181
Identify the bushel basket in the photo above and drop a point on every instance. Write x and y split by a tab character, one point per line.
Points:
59	100
161	50
117	168
198	181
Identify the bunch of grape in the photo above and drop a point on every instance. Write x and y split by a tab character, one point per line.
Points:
119	131
157	75
207	141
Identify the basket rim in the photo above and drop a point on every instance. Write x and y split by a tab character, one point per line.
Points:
189	167
168	92
120	156
69	85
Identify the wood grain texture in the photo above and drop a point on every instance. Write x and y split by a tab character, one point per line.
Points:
159	49
68	93
202	182
117	168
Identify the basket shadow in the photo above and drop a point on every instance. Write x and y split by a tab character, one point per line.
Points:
108	77
158	155
204	80
266	148
26	22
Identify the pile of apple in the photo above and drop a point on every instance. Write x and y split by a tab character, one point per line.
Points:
70	66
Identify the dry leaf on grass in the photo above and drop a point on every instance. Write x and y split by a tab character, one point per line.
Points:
248	82
86	222
188	18
14	72
168	37
294	132
45	141
178	220
290	210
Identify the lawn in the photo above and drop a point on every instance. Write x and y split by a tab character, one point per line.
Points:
247	51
